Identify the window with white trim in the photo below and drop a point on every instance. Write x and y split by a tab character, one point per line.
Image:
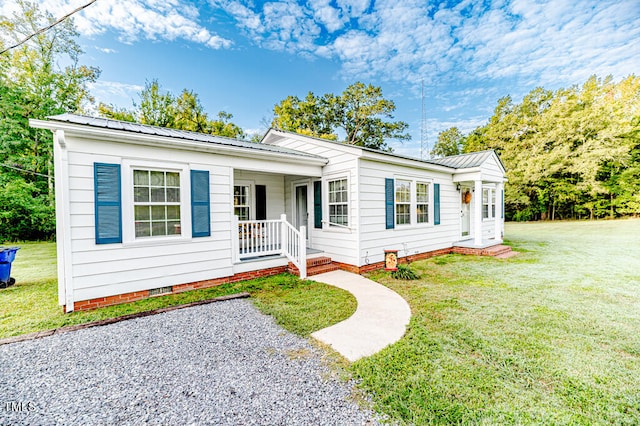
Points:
422	202
241	202
403	202
493	203
339	202
156	201
488	203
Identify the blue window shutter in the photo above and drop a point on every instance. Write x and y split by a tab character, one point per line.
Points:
200	205
389	203
108	203
436	204
502	201
317	205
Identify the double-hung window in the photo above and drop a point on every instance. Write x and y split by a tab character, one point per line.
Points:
422	202
403	202
493	203
156	200
488	203
241	202
338	202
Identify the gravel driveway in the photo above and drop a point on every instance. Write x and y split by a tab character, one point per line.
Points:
222	363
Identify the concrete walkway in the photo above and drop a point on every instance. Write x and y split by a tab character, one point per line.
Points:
380	319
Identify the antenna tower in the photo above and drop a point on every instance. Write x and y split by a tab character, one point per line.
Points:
424	142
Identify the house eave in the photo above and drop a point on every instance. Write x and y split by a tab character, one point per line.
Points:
390	158
98	133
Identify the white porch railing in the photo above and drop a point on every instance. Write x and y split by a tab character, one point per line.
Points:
267	237
259	238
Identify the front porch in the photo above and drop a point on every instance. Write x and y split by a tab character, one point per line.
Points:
489	247
271	213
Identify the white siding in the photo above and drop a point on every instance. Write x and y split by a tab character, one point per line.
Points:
338	243
109	269
491	170
407	239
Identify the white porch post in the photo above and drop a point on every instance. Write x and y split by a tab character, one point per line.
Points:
498	219
283	234
235	236
302	247
477	216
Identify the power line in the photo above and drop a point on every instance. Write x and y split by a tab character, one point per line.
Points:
48	27
25	170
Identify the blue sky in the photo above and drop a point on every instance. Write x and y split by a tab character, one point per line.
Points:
245	56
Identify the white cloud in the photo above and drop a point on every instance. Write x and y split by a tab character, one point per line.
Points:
106	50
117	93
136	19
554	42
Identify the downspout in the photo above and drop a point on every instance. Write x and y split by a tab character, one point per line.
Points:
63	221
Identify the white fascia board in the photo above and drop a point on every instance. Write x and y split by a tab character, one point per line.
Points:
408	162
89	132
474	173
274	135
467	175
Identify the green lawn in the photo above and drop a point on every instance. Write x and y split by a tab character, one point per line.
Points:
551	336
32	303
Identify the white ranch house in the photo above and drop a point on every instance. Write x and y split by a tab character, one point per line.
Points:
143	210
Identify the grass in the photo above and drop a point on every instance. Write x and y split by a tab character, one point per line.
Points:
32	303
551	336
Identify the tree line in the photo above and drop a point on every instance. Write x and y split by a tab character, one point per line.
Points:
44	77
573	153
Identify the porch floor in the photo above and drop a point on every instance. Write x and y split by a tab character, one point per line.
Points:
470	243
310	251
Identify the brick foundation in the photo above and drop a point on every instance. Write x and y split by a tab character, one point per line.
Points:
320	264
380	265
101	302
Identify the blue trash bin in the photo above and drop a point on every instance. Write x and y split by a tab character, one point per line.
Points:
7	255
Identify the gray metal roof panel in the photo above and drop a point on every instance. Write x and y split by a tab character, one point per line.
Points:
173	133
463	161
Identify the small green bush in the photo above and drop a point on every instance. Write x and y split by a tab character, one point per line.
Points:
405	272
25	214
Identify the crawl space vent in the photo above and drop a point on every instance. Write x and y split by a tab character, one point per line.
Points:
161	290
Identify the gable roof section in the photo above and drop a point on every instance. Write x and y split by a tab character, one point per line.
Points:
467	161
105	123
457	162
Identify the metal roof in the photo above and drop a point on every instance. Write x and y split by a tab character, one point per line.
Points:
173	133
464	161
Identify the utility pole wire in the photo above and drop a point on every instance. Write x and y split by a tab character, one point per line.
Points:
24	170
48	27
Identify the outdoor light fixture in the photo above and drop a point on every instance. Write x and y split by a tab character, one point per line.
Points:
458	187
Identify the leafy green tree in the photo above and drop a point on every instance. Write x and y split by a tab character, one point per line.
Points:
39	78
116	113
157	108
572	153
360	112
450	142
184	112
310	116
363	113
224	127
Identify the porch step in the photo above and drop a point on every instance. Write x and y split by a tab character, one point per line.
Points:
498	251
315	266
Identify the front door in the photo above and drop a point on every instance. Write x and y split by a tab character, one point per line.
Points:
465	212
302	214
